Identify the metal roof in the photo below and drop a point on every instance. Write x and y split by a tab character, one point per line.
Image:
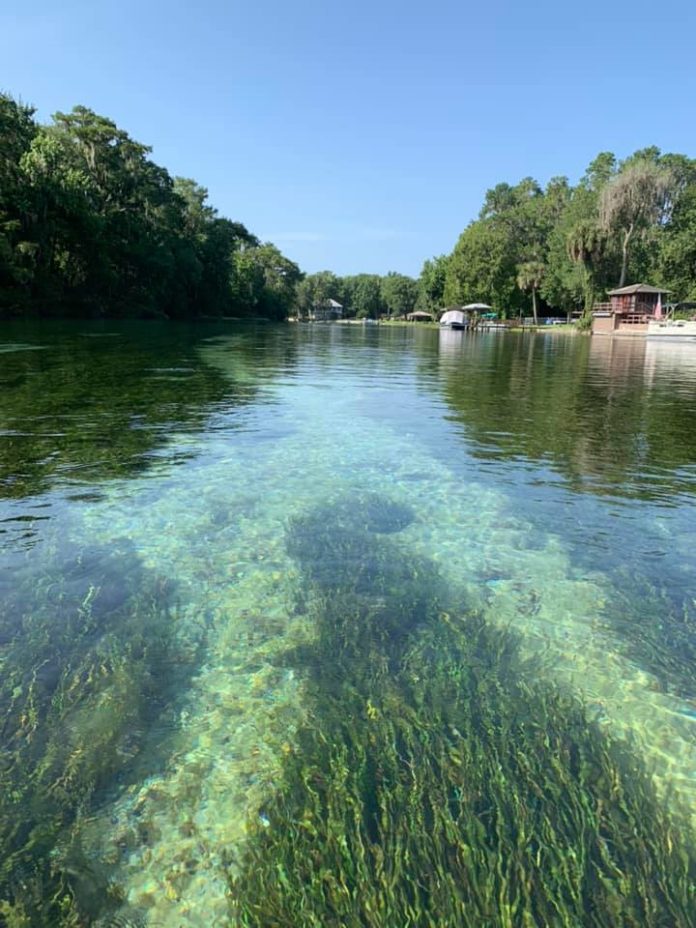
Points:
637	288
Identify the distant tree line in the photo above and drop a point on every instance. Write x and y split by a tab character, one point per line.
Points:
90	225
563	247
559	248
364	296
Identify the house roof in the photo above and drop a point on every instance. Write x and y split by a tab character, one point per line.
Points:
333	304
637	288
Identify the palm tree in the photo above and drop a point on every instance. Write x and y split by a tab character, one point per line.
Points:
586	243
529	277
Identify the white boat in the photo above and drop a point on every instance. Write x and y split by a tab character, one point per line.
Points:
454	319
672	328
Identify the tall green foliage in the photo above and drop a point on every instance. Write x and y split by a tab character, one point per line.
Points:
634	203
399	293
677	252
316	289
431	283
623	222
363	296
90	225
512	230
17	249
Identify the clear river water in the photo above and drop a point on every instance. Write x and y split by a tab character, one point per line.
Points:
154	610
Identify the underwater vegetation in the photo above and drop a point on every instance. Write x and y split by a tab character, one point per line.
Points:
86	646
374	595
364	511
438	779
656	622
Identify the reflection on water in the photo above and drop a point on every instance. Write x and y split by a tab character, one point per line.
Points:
198	489
674	359
589	407
84	408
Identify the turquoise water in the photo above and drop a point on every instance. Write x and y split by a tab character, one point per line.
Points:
149	475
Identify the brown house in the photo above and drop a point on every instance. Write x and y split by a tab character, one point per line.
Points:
629	310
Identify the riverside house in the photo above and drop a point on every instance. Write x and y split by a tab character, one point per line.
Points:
326	311
628	311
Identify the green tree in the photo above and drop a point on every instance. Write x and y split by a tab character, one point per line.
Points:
315	289
279	277
586	242
431	283
17	248
529	277
399	293
482	267
513	229
363	297
633	202
89	224
580	262
677	253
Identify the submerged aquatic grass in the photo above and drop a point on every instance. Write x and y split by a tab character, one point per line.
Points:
657	626
84	650
438	780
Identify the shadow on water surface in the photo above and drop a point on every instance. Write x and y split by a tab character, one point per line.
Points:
91	653
438	780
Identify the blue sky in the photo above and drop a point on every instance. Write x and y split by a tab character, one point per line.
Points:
362	136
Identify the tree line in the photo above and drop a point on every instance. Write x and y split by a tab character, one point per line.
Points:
558	248
625	222
361	295
90	225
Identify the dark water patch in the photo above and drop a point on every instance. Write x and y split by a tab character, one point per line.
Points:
128	917
439	780
91	652
643	561
90	407
24	518
372	594
85	497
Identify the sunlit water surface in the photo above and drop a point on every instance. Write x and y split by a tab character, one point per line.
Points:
552	481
